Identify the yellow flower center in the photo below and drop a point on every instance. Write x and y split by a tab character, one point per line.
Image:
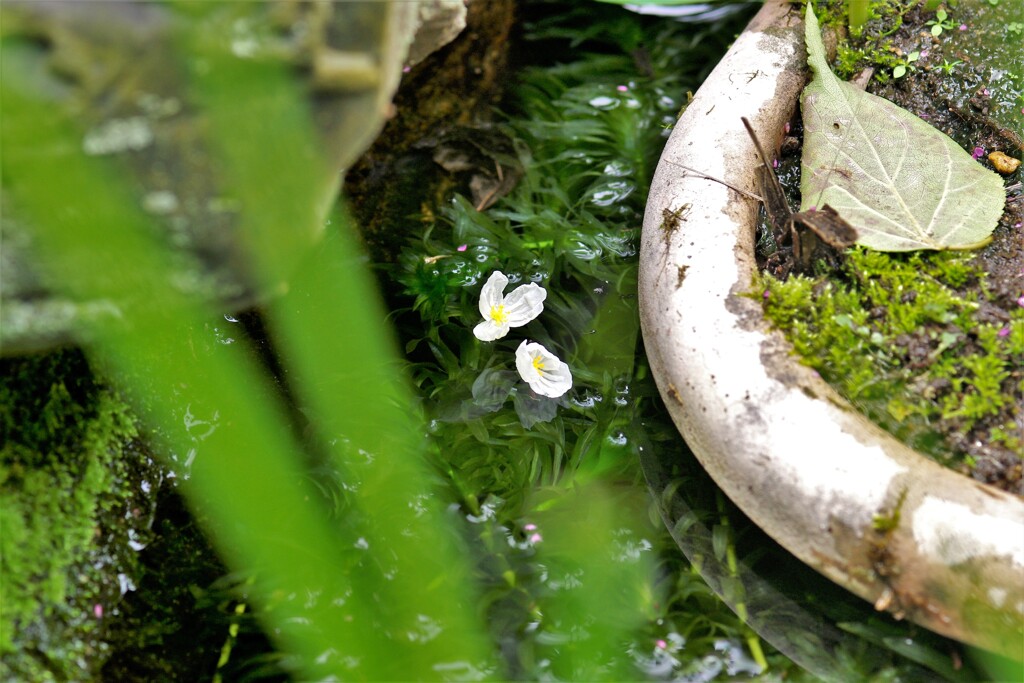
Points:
498	314
538	364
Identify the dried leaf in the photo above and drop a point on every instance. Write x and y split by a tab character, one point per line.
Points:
826	223
902	184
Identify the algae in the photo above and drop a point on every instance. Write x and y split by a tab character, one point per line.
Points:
919	344
69	508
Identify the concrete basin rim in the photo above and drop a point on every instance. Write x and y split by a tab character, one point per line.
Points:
795	456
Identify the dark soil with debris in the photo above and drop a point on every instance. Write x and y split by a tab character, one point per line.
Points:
958	102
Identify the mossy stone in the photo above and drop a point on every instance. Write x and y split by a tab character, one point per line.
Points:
65	488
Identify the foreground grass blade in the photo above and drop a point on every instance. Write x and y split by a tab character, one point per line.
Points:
246	484
331	329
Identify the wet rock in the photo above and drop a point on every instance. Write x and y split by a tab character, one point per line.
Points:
76	502
121	71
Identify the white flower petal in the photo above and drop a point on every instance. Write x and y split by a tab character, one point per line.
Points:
489	330
524	304
492	293
542	370
524	363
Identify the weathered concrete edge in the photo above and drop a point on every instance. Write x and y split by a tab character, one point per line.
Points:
791	453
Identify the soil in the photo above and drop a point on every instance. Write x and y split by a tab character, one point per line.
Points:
961	111
450	94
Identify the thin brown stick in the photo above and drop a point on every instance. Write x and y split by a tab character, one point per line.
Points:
701	174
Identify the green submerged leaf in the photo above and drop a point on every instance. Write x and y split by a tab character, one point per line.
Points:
902	184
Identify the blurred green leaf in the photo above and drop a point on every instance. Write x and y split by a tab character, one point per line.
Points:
413	612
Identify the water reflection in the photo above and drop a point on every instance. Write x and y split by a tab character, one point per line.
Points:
612	192
587	399
618	168
665	661
604	103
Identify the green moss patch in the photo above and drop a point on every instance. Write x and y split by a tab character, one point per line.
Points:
919	344
63	495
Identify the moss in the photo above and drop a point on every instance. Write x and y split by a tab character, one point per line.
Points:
74	512
916	341
886	522
63	480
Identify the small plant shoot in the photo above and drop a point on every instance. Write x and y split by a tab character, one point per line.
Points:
941	23
905	65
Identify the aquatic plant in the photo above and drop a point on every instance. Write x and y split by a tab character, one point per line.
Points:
346	553
588	132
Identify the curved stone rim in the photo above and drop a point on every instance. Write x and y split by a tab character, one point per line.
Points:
791	453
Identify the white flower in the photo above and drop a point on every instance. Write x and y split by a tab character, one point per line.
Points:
542	370
502	313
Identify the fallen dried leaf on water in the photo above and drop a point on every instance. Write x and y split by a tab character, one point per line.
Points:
901	183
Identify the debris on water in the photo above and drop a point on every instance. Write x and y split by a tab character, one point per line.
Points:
118	135
605	103
160	202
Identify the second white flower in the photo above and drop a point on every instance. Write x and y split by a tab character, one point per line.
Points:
542	370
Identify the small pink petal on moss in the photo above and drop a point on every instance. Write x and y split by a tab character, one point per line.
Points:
535	538
462	247
1005	332
622	88
978	152
530	527
1020	301
661	644
963	27
97	610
